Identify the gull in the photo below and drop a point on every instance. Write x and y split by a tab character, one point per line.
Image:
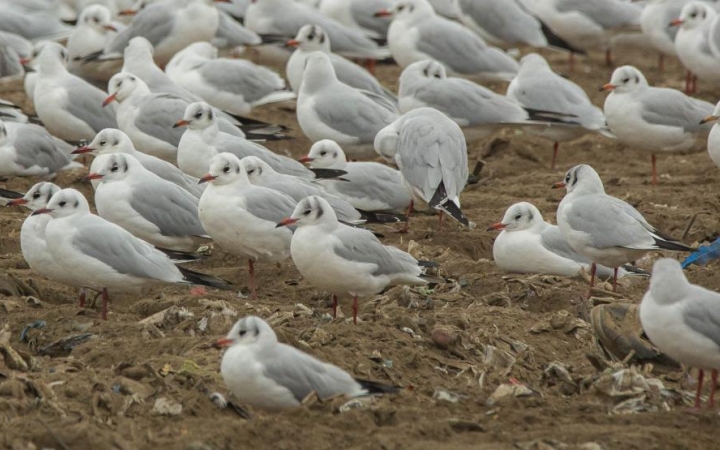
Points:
693	44
713	142
284	18
312	38
478	110
69	107
150	208
203	139
605	229
10	112
367	186
266	374
345	260
682	320
111	140
22	47
233	85
94	30
417	33
430	151
241	217
329	109
528	244
105	257
230	33
652	118
28	150
537	87
32	25
10	61
359	15
654	20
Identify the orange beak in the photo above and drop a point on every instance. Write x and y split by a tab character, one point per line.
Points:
17	202
41	211
676	22
81	150
181	123
383	13
496	226
92	176
607	87
207	178
285	222
110	28
709	119
292	43
558	185
306	159
127	12
110	99
223	342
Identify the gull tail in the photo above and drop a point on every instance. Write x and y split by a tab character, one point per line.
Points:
556	42
633	271
668	243
181	257
321	174
703	255
275	97
375	388
440	201
373	217
11	195
202	279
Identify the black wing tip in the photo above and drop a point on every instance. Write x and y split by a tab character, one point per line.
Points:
376	388
205	280
425	263
629	268
4	193
373	217
668	244
321	174
181	256
557	42
441	202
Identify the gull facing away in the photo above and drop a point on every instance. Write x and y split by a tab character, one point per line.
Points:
68	106
694	44
713	143
112	140
652	118
312	38
417	33
241	217
605	229
152	209
329	109
367	186
103	256
430	151
537	87
233	85
269	375
28	150
528	244
344	260
682	320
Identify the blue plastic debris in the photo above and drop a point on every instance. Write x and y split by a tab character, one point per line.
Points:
703	255
36	324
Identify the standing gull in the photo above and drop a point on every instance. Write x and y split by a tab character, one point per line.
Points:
94	30
345	260
605	229
693	44
266	374
359	15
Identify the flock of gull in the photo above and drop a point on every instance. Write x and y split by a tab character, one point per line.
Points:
178	166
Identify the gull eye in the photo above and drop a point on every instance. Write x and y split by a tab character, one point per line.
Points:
114	168
62	203
625	80
401	7
119	83
103	142
693	15
518	217
242	333
96	20
198	114
567	179
226	169
323	153
36	195
307	212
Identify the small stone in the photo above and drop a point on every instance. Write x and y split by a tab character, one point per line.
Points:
166	407
443	339
447	396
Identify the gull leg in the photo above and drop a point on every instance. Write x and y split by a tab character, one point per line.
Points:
654	170
661	62
104	303
593	268
82	297
615	271
252	279
713	386
554	158
334	306
688	80
355	309
694	84
370	65
407	221
699	388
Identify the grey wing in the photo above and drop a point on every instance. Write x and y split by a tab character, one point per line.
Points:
662	106
360	245
35	146
171	173
153	22
241	78
609	14
382	100
302	374
382	183
269	204
353	114
363	11
553	240
702	312
171	208
356	76
85	102
9	62
231	34
157	116
117	248
504	19
610	222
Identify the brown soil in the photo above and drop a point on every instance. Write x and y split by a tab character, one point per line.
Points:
102	394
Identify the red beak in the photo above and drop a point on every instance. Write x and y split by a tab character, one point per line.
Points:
223	342
676	22
110	99
127	12
207	178
25	61
92	176
285	222
306	159
292	43
558	185
17	202
110	27
83	149
496	226
41	211
383	13
181	123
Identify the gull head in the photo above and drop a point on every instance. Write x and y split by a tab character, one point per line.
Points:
97	17
325	154
113	167
311	38
225	168
693	15
312	210
582	180
408	10
198	116
668	283
122	85
625	79
256	168
65	203
109	140
247	331
520	216
37	197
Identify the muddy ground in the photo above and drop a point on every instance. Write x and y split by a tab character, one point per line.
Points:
520	334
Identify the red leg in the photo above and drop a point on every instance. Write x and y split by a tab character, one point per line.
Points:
82	297
694	84
440	221
252	280
334	306
688	81
654	170
661	62
105	303
593	268
699	388
370	65
608	58
615	270
554	158
713	377
407	217
355	310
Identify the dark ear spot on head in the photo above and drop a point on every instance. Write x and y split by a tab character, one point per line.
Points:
322	38
530	216
116	142
211	114
125	166
320	211
257	331
77	203
237	169
49	196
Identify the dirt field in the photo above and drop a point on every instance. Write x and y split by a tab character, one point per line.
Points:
520	334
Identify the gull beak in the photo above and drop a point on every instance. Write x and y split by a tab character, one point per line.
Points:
127	12
292	43
607	87
710	118
496	226
383	13
110	99
92	176
558	185
110	28
17	202
306	159
81	150
285	222
222	342
25	61
41	211
676	22
181	123
207	178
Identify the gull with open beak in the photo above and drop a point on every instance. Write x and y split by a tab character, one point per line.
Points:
654	119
